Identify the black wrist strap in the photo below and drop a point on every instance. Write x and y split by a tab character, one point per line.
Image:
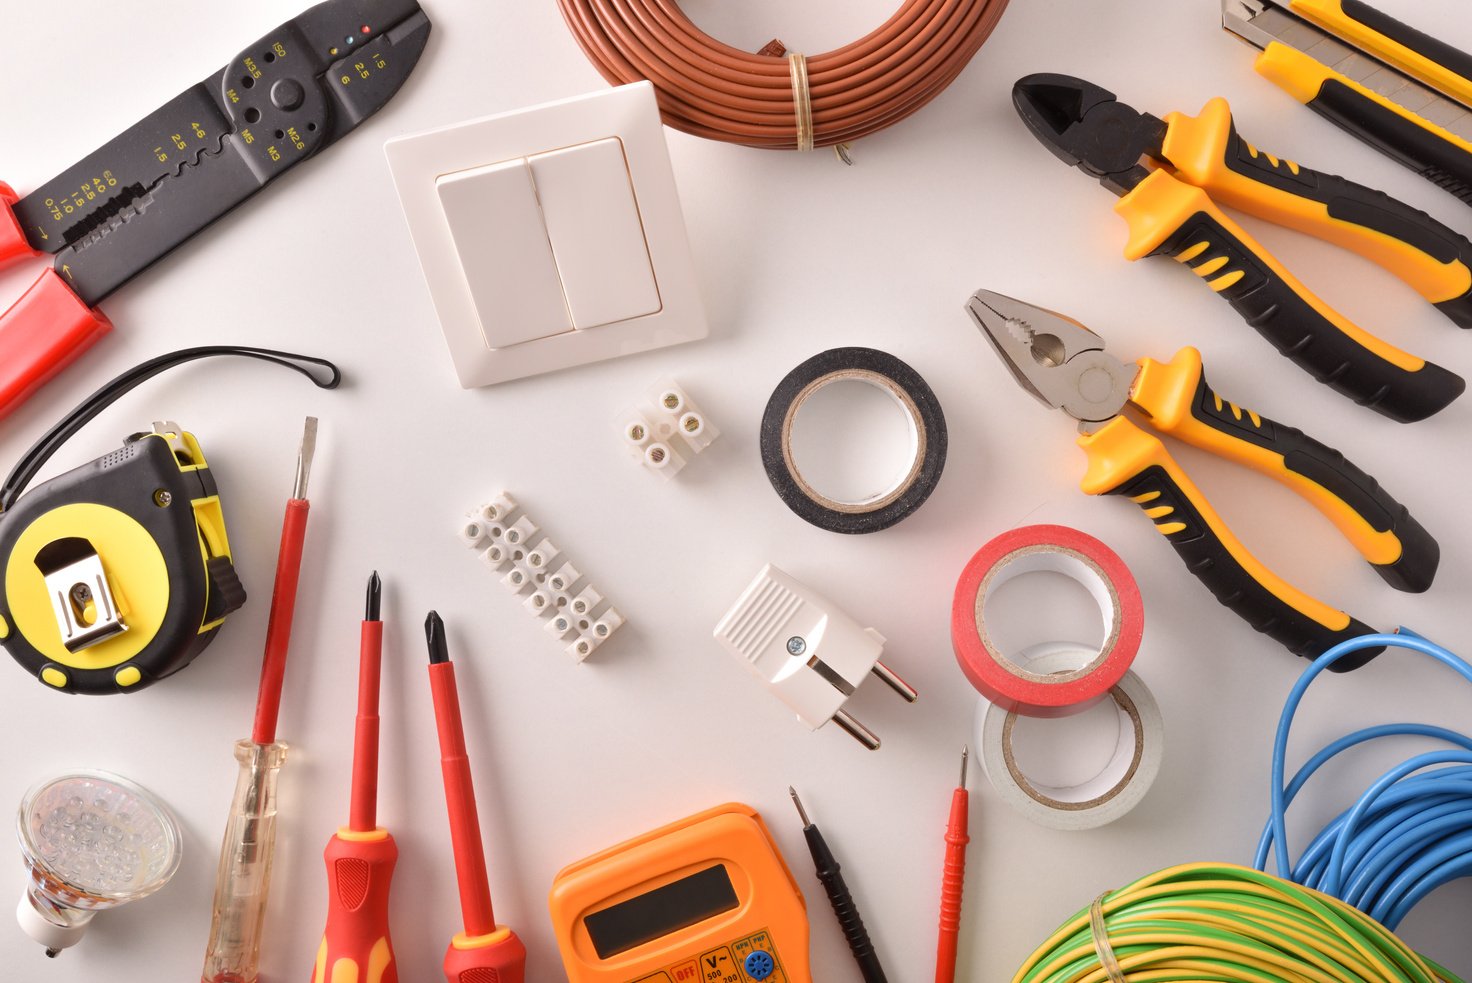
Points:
322	373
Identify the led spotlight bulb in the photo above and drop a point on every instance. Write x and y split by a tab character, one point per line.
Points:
91	841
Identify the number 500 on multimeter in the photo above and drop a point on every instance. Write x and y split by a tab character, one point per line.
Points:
705	900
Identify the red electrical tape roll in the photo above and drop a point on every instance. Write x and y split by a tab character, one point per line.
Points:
1056	549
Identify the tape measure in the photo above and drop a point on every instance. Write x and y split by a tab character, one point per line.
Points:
708	899
117	574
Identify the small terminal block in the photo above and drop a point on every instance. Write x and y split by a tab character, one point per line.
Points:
667	431
532	567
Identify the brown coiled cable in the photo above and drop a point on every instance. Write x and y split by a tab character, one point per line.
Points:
713	90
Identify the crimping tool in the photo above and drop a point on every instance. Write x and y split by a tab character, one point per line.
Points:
122	208
1064	365
1171	210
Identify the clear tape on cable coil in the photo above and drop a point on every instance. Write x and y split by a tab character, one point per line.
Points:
714	90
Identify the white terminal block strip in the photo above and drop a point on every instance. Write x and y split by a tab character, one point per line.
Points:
668	431
809	653
533	567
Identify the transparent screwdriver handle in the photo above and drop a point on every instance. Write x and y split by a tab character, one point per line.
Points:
245	867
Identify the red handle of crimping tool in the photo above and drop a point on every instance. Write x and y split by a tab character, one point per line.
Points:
13	242
47	328
42	334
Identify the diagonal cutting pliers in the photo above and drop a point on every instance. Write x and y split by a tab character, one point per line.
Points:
125	206
1171	209
1064	365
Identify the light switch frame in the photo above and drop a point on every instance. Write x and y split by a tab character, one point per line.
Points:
627	112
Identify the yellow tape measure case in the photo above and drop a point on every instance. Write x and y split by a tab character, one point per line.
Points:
119	573
708	899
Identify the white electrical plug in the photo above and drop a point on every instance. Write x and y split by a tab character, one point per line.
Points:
811	655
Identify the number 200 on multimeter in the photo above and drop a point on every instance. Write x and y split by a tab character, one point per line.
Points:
705	900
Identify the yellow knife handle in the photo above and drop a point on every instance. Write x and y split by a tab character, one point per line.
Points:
1434	260
1432	151
1125	460
1169	217
1438	64
1179	401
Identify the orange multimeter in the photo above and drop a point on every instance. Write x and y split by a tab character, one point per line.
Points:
708	899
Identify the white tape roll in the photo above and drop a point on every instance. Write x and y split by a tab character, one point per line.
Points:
1101	800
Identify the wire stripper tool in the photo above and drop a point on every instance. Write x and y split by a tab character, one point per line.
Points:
1404	93
1064	365
1171	210
119	210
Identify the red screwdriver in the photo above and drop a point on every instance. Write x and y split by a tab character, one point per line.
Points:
485	952
360	857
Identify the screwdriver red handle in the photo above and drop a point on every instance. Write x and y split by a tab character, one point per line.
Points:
360	868
952	885
498	957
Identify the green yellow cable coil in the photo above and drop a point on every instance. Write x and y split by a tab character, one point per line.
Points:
1219	923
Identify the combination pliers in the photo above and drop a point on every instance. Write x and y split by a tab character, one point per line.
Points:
1171	208
1064	365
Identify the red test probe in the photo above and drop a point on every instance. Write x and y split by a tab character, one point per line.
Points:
953	880
485	952
360	857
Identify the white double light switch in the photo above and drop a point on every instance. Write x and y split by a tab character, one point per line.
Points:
551	236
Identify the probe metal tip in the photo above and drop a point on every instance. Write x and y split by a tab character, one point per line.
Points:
894	682
434	634
375	598
304	458
803	813
856	730
965	760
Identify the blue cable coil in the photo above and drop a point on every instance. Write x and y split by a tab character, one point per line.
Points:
1411	830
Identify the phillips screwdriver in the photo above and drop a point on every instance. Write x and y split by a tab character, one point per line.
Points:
953	878
831	876
360	857
484	952
244	876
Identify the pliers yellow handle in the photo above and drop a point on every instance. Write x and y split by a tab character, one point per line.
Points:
1125	459
1172	210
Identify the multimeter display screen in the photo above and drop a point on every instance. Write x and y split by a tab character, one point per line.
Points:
657	913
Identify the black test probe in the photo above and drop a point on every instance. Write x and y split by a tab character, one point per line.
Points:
830	874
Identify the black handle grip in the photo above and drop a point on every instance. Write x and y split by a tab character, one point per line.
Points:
1420	554
1398	136
849	920
1357	205
1430	48
1276	305
1207	557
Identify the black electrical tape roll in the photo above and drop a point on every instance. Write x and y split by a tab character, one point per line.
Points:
914	396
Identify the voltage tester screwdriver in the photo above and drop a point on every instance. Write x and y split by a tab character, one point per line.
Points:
485	952
244	876
360	858
831	875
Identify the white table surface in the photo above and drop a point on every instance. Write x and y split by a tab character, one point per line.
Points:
796	254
